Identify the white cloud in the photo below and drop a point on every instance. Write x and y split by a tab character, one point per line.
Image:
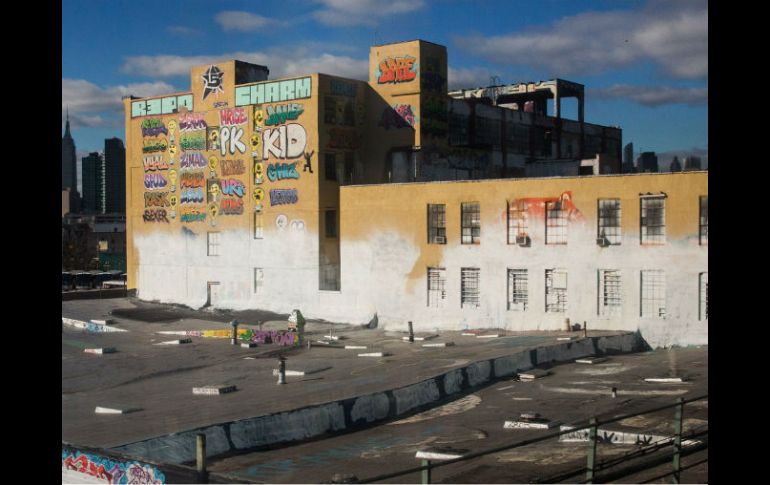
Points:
653	95
468	77
241	21
672	34
337	13
282	63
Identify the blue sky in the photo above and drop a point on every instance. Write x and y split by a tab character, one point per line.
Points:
644	63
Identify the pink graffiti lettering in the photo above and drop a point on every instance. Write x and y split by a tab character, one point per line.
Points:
232	117
154	162
192	121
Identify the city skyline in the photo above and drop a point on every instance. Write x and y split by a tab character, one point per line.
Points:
644	64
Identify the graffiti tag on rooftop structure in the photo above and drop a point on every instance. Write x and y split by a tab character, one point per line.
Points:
397	70
212	81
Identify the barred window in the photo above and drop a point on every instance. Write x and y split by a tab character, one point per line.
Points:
704	219
330	166
653	219
213	244
436	287
555	291
469	291
653	294
609	292
555	223
518	221
609	220
436	224
330	223
471	223
704	296
518	294
517	137
258	225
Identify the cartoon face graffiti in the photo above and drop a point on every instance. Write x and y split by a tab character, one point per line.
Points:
173	200
213	132
172	150
214	190
172	179
256	143
213	212
258	194
213	164
281	221
259	118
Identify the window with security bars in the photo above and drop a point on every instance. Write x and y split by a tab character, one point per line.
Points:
555	291
213	244
436	224
704	219
471	223
517	221
518	294
609	220
436	287
469	288
555	223
609	292
653	303
653	220
704	296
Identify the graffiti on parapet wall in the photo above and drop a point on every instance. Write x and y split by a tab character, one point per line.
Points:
287	141
283	196
212	81
109	470
192	122
397	70
534	207
276	337
153	127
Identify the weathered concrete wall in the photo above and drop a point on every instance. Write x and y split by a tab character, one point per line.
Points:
349	414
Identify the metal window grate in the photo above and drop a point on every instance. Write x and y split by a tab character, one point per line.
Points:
329	275
704	219
436	287
555	291
518	220
518	295
555	223
704	296
469	291
653	220
610	292
609	220
213	244
436	224
653	304
471	223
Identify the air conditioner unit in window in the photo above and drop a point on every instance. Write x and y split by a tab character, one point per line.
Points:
522	240
602	241
439	239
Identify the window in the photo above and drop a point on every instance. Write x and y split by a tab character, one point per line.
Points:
609	292
653	294
704	219
331	222
213	244
609	221
330	166
517	289
555	223
471	223
436	224
555	291
258	225
469	287
518	222
436	287
349	174
653	219
258	280
704	296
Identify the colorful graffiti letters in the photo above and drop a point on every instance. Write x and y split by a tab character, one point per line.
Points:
279	114
192	121
193	143
153	163
156	199
397	70
161	106
110	470
192	160
191	180
154	181
232	187
280	171
155	215
212	81
291	139
232	117
399	116
153	127
230	206
232	167
191	196
283	196
233	136
151	146
193	216
273	92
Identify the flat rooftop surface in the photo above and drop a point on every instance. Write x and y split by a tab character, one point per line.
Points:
158	379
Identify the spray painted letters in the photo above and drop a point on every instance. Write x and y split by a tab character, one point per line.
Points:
397	70
155	215
154	181
156	199
283	196
191	196
153	127
192	160
279	114
110	470
232	187
280	171
191	180
232	117
291	139
232	167
154	162
191	122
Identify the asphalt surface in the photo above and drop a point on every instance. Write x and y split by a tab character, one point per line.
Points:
571	394
158	380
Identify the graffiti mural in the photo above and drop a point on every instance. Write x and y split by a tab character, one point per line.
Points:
109	470
343	139
280	171
259	171
154	181
232	117
153	163
534	207
291	140
191	180
273	92
231	206
192	122
155	215
161	106
397	70
192	142
212	81
212	138
283	196
232	167
258	195
192	216
279	114
192	160
230	140
153	127
281	221
152	146
232	187
399	116
297	225
156	199
308	165
191	196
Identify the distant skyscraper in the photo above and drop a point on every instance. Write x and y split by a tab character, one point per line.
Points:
69	176
93	184
675	165
115	175
628	158
647	162
692	163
